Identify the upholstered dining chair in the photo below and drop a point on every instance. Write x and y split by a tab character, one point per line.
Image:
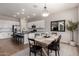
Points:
55	46
34	48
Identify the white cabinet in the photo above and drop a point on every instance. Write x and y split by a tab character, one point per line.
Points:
25	38
4	35
39	24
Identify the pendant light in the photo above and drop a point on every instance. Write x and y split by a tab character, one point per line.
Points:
45	12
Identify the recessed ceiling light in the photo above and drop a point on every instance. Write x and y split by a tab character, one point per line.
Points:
28	16
34	14
35	6
18	13
14	15
23	9
22	13
24	18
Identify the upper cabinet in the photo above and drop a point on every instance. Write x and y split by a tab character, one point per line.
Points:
39	24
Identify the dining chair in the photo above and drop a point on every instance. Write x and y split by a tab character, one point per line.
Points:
55	46
33	47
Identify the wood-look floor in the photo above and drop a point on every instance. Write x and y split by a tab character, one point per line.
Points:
8	47
65	50
68	50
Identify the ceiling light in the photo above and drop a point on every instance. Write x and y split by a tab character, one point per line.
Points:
14	15
34	14
45	11
18	13
22	13
28	16
35	6
23	9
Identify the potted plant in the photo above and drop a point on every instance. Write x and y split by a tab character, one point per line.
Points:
72	26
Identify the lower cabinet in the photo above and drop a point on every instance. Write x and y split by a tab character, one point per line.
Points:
4	35
25	38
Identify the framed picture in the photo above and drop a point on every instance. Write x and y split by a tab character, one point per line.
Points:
54	26
61	25
58	25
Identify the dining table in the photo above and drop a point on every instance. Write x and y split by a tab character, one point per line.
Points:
44	42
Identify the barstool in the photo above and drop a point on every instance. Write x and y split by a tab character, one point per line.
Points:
20	39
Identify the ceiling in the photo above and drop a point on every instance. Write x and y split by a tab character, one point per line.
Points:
32	11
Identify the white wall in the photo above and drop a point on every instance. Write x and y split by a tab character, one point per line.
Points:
71	14
78	26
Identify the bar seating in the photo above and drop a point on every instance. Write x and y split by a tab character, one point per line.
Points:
19	39
55	46
34	48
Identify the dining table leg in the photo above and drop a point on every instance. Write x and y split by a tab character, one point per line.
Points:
44	51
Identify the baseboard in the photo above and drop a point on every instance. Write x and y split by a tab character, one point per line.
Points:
66	42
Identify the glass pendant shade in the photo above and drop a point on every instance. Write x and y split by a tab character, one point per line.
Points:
45	12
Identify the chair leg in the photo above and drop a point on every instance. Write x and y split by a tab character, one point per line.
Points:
29	53
35	54
55	53
58	53
41	52
48	52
